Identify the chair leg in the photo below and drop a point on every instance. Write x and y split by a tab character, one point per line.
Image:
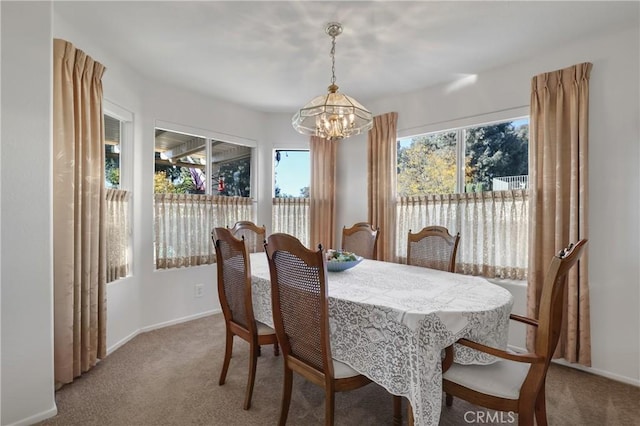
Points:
276	349
397	410
228	349
329	406
449	400
286	396
253	361
525	416
410	419
541	407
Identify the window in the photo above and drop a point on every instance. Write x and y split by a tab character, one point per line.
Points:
112	136
200	183
117	131
181	163
474	181
490	156
497	156
291	177
427	164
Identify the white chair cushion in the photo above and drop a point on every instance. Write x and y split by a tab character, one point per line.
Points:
264	329
342	370
502	379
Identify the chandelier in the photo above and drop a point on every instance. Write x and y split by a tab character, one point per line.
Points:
334	115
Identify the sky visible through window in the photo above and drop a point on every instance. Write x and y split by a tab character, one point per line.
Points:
292	172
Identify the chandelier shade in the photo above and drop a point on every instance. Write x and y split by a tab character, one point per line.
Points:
333	115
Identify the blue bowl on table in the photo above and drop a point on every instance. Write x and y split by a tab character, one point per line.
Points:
338	266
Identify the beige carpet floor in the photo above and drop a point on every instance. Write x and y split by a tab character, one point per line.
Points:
170	377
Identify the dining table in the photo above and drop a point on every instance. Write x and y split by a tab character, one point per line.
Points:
391	323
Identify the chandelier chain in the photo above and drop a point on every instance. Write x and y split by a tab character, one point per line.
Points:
333	60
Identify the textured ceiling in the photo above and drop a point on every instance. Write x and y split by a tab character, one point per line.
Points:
273	56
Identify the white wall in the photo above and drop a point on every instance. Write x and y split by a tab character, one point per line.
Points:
614	175
26	222
352	187
169	295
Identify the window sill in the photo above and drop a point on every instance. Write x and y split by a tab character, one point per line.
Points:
503	282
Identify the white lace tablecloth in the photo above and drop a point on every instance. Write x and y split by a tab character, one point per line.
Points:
390	322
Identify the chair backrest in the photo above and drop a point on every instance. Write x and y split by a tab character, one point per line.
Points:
360	239
253	234
552	299
299	300
433	247
234	278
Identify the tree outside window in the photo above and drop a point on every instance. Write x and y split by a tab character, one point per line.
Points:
494	152
496	157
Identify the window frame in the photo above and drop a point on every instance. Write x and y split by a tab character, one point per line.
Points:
250	201
455	206
211	136
459	127
273	167
126	140
126	119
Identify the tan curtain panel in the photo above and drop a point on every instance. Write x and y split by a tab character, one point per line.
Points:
183	224
118	234
291	216
558	152
79	209
322	192
382	155
493	227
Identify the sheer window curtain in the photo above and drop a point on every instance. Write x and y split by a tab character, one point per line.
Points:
382	162
558	147
322	191
291	216
79	208
118	233
183	224
493	229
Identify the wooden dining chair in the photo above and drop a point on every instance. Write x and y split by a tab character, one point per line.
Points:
253	234
234	291
360	239
433	247
516	382
301	319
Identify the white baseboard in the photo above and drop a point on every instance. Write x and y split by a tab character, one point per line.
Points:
179	320
161	325
37	417
117	345
596	371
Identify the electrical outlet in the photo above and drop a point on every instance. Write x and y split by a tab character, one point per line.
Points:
199	290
